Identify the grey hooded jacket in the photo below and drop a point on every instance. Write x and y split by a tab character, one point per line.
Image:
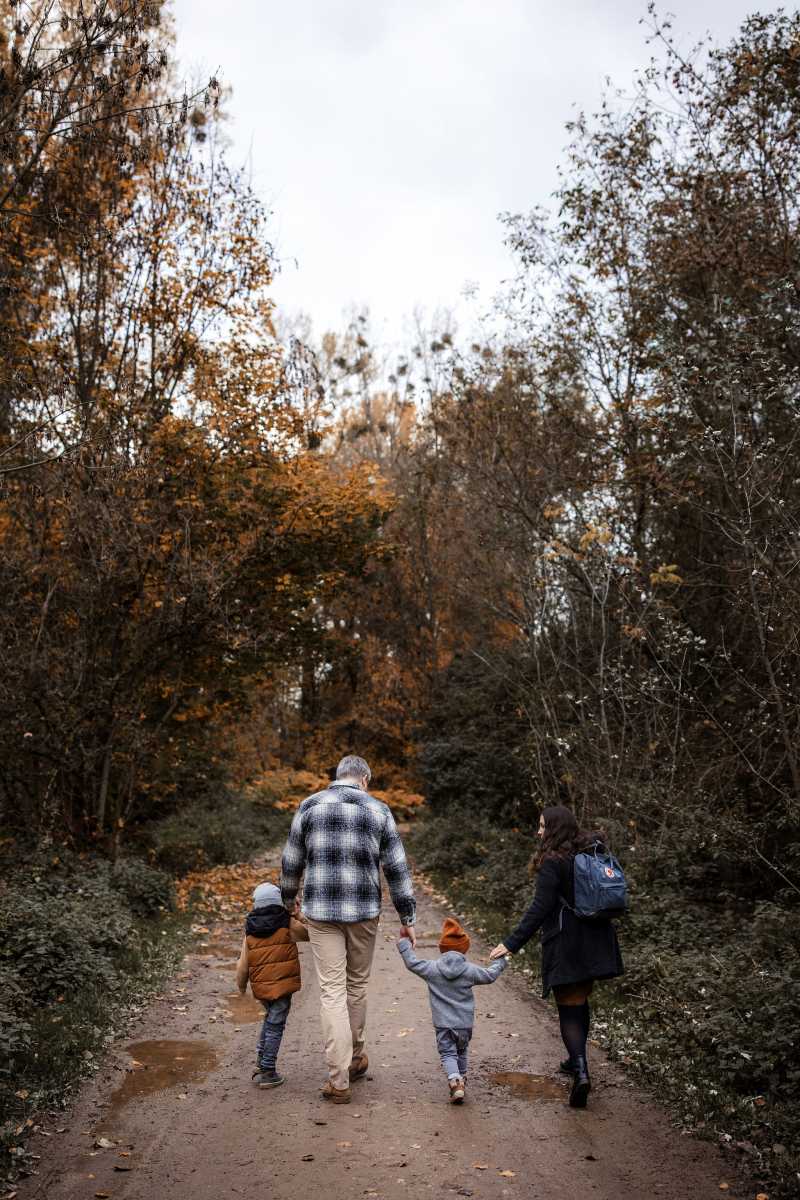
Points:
450	981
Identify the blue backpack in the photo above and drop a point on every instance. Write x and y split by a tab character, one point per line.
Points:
601	890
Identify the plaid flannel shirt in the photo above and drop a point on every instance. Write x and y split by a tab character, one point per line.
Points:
340	838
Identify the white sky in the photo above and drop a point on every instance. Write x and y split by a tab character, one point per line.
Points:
385	137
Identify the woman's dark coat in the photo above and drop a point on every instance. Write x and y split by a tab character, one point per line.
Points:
573	949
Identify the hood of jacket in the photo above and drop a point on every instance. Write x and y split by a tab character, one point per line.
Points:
452	964
263	922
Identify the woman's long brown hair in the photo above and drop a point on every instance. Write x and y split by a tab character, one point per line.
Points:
563	837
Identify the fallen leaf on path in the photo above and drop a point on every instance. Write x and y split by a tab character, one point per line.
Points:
405	1032
103	1195
724	1187
320	1122
122	1167
307	1158
344	1145
762	1196
104	1143
481	1166
508	1174
124	1153
416	1146
590	1158
22	1094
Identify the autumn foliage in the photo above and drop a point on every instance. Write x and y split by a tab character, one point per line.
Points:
167	535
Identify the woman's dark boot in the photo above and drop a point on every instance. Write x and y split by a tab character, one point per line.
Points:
581	1084
567	1067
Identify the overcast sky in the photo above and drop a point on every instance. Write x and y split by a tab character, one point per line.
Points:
385	137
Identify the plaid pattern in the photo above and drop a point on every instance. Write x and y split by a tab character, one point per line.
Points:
341	838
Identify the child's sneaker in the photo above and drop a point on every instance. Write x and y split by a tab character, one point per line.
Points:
268	1079
456	1091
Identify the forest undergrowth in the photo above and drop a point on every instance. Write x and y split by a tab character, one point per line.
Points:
86	943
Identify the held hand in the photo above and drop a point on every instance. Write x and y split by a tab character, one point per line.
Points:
407	931
500	951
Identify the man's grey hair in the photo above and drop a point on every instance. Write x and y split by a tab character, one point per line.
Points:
353	767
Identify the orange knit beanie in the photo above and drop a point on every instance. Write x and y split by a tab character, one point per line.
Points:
453	937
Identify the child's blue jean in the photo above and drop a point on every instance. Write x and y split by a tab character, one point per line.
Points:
273	1025
453	1045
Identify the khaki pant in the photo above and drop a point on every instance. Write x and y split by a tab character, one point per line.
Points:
343	957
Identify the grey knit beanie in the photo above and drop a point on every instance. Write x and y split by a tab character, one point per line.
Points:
266	893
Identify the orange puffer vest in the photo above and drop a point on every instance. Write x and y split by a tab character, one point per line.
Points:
273	965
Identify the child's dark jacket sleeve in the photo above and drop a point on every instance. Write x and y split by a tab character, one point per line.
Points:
546	898
241	967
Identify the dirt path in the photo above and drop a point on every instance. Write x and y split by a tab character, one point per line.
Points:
173	1113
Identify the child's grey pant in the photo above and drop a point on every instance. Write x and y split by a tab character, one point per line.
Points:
273	1025
453	1045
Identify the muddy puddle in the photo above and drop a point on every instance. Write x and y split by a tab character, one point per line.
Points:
157	1066
245	1009
529	1087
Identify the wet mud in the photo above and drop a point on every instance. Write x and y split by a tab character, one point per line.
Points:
157	1066
529	1087
243	1009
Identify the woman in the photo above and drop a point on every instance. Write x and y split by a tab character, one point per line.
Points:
575	951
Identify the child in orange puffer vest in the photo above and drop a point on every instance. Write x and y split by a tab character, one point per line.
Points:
269	960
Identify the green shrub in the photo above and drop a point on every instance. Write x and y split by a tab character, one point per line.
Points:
484	861
147	890
60	948
76	939
227	831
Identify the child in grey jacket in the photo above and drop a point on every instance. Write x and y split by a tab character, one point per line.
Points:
450	981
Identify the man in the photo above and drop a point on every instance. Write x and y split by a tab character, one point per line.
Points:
340	838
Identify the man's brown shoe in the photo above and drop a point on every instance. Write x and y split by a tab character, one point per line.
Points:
457	1091
358	1067
336	1095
